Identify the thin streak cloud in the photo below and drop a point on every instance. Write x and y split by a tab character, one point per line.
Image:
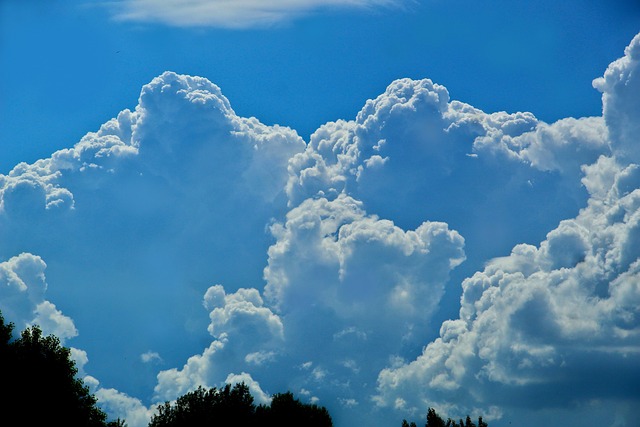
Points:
231	13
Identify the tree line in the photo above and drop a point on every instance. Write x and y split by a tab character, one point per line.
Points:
435	420
39	387
234	406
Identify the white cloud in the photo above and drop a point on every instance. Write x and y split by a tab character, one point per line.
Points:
345	291
147	144
52	321
259	358
141	208
246	334
200	369
259	396
621	106
242	314
332	254
22	298
163	200
412	154
80	358
151	357
120	405
553	325
353	290
232	14
545	318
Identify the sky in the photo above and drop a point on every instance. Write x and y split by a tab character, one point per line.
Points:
379	205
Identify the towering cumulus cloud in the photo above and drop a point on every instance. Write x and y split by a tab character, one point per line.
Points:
322	265
138	219
555	324
347	291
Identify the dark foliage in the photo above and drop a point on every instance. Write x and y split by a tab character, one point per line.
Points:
435	420
287	411
39	385
226	406
233	406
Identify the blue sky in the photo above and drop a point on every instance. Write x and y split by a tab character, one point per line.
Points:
379	205
79	65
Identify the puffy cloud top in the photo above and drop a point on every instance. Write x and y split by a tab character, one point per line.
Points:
620	86
538	312
22	297
335	254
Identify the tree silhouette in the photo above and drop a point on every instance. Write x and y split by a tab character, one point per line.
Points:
39	385
435	420
287	411
233	406
226	406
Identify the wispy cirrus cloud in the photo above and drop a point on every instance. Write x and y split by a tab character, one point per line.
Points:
232	13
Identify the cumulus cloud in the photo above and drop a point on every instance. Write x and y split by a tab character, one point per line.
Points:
149	141
335	254
371	274
22	297
354	290
260	397
555	324
232	14
120	405
560	316
619	86
414	125
160	199
245	310
412	154
345	291
244	331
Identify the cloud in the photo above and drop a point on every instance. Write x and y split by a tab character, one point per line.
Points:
368	273
260	397
243	330
335	255
553	325
412	153
345	291
244	309
620	105
151	357
547	320
22	298
121	406
152	207
353	290
232	14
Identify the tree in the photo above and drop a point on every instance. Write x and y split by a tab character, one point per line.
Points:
433	419
287	411
233	406
225	406
6	330
39	384
468	422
